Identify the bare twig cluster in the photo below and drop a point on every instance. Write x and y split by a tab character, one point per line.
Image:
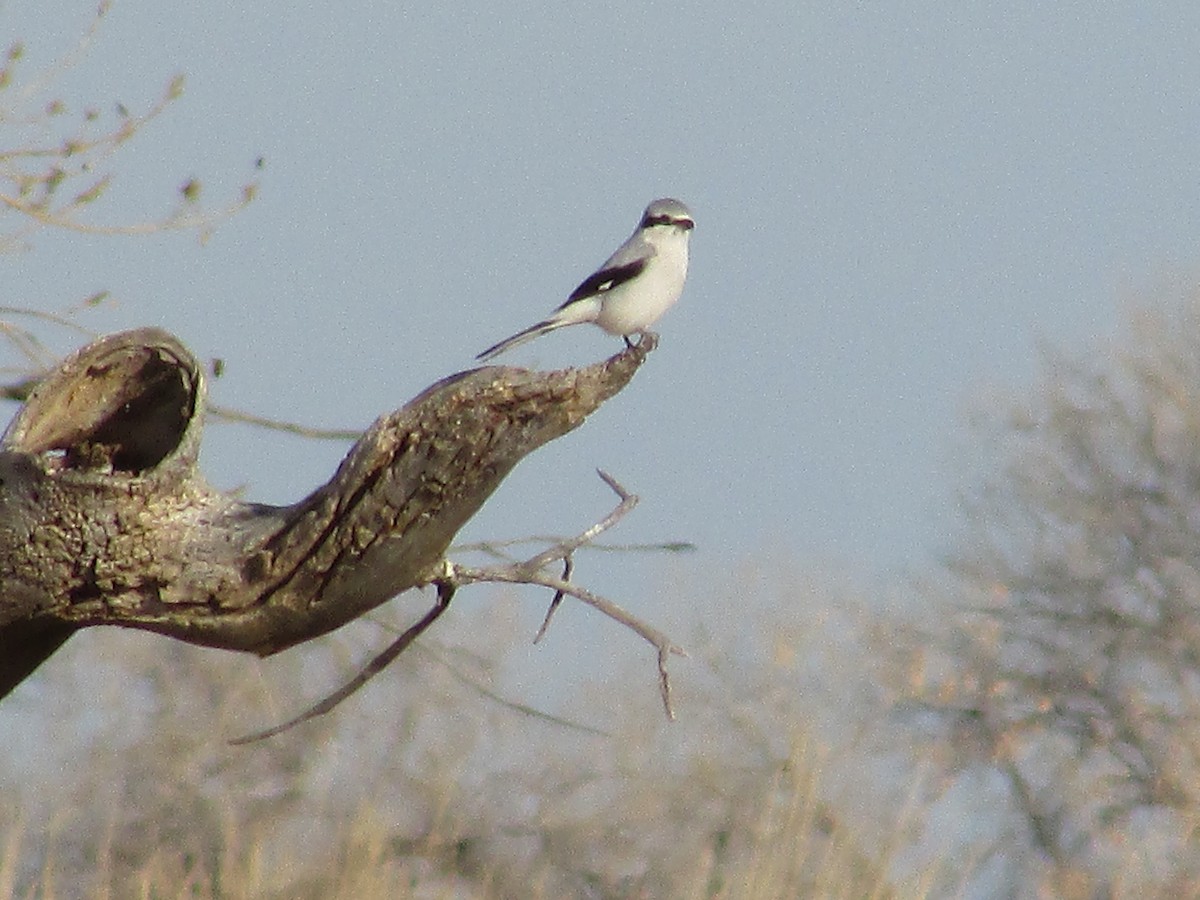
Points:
531	571
58	162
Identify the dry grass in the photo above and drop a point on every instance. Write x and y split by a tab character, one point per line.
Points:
423	788
793	849
455	797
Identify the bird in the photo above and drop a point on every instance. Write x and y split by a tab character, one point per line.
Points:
633	287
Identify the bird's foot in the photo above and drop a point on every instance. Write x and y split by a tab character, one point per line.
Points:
647	340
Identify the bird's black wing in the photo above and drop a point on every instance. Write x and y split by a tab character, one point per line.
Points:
606	279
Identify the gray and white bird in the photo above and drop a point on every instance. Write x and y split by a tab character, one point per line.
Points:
634	286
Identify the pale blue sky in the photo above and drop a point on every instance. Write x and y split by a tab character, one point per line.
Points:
894	204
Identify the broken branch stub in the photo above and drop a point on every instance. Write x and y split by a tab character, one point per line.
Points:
105	518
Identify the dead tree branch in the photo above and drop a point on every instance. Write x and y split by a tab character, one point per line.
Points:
106	520
530	571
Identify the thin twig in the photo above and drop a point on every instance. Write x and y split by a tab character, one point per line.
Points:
68	61
530	572
52	318
445	592
498	549
18	391
565	548
463	575
438	655
31	347
329	434
66	221
28	345
568	568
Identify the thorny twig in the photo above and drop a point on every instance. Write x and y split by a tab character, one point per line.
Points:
462	575
568	568
452	576
530	572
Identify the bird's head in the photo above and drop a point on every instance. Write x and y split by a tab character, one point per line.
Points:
667	213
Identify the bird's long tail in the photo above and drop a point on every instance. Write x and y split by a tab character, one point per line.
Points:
521	337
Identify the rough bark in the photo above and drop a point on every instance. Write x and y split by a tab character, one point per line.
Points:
105	518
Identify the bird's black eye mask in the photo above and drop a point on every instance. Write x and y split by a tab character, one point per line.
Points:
667	220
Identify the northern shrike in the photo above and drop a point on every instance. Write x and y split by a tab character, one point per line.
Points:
633	288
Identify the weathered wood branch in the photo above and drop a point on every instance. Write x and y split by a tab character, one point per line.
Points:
105	518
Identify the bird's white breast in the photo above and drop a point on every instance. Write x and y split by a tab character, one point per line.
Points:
633	307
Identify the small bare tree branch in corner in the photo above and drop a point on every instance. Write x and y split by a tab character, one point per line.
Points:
106	520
